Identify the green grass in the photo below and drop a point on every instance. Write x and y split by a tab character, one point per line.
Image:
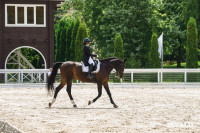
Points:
175	65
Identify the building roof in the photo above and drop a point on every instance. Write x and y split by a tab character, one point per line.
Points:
51	0
57	0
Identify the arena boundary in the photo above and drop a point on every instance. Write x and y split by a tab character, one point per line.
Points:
5	127
130	76
111	85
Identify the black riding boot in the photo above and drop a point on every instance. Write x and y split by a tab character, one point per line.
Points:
89	72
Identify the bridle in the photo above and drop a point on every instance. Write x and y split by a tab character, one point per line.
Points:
117	71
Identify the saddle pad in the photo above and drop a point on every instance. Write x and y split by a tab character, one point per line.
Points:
86	68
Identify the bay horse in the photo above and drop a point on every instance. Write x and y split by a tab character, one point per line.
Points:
73	70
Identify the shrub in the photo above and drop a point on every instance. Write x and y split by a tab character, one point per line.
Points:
191	49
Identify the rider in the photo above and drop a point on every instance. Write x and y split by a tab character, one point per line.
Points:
87	57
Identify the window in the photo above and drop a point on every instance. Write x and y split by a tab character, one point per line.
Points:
39	15
30	15
18	15
11	15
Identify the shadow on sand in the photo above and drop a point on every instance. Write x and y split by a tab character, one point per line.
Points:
81	108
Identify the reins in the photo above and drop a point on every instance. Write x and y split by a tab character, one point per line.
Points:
116	71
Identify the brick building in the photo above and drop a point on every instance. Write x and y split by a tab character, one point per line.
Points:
27	23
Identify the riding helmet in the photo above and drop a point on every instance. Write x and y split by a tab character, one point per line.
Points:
86	40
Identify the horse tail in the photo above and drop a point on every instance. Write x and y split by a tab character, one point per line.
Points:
51	80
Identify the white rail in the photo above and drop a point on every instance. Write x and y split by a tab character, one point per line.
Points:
160	72
21	75
159	75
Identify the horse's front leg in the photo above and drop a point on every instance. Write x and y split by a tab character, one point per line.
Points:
109	94
99	86
69	86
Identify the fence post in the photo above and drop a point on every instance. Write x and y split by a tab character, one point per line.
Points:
32	77
39	77
132	76
45	77
158	76
161	76
19	77
22	77
6	77
185	76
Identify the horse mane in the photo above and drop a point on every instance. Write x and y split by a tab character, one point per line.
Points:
108	59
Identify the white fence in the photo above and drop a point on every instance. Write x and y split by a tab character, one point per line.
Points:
24	75
130	75
163	74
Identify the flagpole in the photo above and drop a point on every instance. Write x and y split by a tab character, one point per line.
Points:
162	58
162	53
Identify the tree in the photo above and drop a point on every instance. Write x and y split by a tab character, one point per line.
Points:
58	15
73	39
58	46
191	50
33	57
68	41
154	61
132	62
81	34
191	9
131	19
118	50
62	44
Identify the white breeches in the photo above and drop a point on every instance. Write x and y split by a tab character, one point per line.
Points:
90	61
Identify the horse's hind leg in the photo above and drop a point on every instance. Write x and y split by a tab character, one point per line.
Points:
61	85
69	86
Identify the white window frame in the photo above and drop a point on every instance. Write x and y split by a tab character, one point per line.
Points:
25	15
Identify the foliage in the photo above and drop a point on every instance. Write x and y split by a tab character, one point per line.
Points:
73	38
33	57
65	35
167	15
192	8
68	41
60	41
135	21
81	34
58	15
119	49
154	61
131	19
62	45
132	62
191	59
57	46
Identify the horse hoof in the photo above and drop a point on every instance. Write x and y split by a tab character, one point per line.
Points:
90	102
115	106
75	106
50	105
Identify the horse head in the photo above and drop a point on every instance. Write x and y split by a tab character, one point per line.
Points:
119	66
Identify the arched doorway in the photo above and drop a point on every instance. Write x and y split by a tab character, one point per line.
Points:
17	59
25	58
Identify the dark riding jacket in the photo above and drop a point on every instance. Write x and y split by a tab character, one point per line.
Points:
87	54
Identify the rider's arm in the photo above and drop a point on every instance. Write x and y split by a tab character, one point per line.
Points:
87	52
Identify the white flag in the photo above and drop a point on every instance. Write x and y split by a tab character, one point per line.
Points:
160	44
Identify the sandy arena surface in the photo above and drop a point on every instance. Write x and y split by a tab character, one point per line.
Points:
140	110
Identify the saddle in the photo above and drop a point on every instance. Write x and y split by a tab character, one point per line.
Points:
96	67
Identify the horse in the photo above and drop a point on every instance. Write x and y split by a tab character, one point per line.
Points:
73	70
